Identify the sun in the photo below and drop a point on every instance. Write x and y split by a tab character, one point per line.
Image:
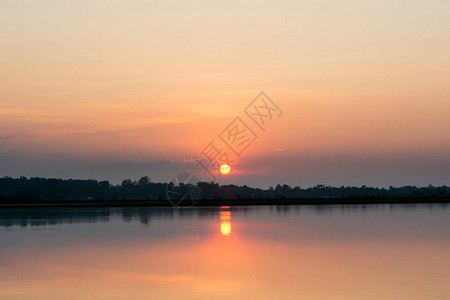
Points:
225	169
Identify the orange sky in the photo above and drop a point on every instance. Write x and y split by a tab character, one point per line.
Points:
142	82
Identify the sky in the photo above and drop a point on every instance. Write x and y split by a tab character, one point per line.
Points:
122	89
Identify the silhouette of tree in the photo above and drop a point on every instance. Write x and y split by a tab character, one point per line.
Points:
52	189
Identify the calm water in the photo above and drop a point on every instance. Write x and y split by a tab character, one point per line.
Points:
278	252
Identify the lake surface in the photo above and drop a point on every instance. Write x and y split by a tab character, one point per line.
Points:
276	252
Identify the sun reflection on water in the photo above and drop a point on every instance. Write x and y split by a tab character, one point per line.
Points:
225	218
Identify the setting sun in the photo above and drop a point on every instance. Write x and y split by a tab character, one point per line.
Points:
225	169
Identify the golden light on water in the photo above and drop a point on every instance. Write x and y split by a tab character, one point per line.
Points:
225	228
225	224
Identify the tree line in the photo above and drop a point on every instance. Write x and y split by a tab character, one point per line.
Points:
37	189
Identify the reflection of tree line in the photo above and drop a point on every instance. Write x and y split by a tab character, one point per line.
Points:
42	189
360	208
45	217
144	215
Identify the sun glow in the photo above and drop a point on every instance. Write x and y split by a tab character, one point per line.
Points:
225	169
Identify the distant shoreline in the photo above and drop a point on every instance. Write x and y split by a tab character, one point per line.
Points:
225	202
